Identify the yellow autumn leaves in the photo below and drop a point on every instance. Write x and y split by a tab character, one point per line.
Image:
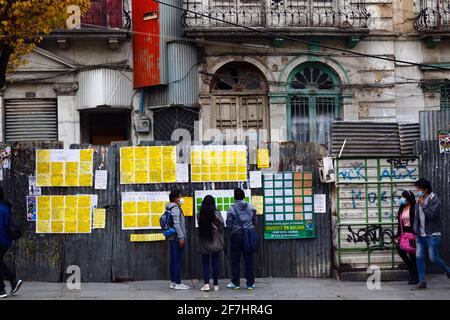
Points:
24	22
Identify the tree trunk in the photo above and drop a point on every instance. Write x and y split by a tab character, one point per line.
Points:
4	59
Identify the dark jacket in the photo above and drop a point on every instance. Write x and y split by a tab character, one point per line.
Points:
5	216
241	215
217	243
412	211
432	211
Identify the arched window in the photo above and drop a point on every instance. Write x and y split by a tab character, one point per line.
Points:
314	98
239	97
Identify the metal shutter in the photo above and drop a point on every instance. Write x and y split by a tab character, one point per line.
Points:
31	119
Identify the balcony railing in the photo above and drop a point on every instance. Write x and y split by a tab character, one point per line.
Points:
276	14
434	15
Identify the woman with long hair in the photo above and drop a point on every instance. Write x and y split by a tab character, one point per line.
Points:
211	234
406	215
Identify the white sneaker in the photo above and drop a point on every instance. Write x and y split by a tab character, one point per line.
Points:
181	287
172	285
205	287
216	288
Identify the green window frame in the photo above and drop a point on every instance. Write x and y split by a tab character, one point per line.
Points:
445	96
313	96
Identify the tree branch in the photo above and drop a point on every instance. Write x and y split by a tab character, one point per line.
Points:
4	59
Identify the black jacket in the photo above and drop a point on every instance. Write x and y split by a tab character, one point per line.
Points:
432	213
412	214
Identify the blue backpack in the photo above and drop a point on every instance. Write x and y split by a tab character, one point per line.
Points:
166	222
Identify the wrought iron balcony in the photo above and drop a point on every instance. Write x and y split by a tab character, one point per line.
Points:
434	16
287	15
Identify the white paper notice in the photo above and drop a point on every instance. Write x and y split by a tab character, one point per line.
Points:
255	179
33	190
101	179
182	172
320	203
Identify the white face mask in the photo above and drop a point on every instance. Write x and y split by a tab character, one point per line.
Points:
181	202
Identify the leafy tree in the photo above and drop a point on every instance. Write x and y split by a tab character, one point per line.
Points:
23	24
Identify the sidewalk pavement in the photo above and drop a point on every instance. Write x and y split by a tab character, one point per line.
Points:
266	289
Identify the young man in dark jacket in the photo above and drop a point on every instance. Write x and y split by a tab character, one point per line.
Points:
5	243
240	216
427	227
177	241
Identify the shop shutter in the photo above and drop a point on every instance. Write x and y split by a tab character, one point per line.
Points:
31	119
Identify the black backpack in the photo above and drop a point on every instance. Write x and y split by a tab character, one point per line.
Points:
13	231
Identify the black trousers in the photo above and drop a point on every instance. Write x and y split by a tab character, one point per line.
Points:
5	272
410	261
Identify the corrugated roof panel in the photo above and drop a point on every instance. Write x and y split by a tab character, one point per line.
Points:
373	139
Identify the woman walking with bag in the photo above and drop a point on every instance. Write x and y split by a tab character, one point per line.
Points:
211	234
405	234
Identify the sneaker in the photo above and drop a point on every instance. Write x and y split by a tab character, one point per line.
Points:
420	286
181	287
16	286
216	288
205	287
172	285
3	294
233	286
251	287
413	281
448	275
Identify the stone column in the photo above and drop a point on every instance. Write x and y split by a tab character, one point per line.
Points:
68	115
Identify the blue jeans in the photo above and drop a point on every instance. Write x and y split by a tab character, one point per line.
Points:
215	266
176	256
431	245
236	249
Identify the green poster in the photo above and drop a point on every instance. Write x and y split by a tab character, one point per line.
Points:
288	205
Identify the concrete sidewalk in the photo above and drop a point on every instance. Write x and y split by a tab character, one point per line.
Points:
266	289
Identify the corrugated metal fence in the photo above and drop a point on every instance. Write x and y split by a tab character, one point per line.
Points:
108	255
436	168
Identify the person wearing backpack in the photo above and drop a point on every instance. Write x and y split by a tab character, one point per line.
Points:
405	234
5	243
241	219
177	241
211	235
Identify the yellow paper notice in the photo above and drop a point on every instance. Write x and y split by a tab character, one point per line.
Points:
258	203
188	206
64	168
99	219
263	158
147	237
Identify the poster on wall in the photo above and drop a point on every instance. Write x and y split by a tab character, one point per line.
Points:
31	208
64	168
33	189
288	205
155	164
444	141
224	199
5	157
219	163
142	210
64	214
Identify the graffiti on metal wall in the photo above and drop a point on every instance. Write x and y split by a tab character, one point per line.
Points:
376	237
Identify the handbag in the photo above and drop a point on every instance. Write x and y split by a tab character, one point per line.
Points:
407	240
251	237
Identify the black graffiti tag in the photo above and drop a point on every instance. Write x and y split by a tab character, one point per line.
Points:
374	236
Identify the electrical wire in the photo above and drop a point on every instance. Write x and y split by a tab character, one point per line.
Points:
300	40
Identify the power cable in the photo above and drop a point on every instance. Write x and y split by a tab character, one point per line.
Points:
277	35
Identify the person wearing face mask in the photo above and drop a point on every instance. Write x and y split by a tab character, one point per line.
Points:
406	215
427	227
177	241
